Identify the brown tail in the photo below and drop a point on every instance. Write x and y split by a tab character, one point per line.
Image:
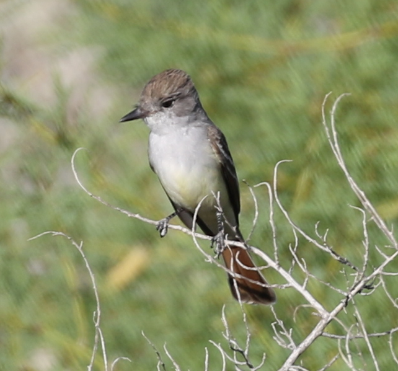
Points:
236	259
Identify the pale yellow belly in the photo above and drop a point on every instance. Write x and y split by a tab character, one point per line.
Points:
188	188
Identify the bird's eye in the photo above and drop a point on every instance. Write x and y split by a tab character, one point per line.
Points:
168	103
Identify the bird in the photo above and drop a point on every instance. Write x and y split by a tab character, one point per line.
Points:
191	158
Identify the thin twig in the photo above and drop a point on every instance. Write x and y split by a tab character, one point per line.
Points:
98	337
160	360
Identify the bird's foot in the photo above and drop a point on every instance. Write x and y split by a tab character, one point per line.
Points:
163	227
218	243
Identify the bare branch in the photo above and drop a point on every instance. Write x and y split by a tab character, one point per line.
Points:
175	364
160	360
255	218
392	348
98	338
333	141
119	359
282	336
365	336
322	246
334	359
271	219
360	336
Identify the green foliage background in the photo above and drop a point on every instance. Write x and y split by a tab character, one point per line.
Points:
262	70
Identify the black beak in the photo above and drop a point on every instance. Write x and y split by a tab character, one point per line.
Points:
133	115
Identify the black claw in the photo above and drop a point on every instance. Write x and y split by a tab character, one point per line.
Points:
163	227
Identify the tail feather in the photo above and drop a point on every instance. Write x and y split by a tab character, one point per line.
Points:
244	289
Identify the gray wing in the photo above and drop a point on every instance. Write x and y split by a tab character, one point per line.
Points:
221	150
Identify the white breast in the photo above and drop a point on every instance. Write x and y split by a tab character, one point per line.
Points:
186	166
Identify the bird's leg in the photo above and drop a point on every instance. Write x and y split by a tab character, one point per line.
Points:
218	240
163	224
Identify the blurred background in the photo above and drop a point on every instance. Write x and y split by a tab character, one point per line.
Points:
70	70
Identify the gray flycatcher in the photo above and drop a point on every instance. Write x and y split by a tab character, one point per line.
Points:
190	156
